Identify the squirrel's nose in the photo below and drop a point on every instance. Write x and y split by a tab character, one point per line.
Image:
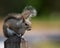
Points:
29	29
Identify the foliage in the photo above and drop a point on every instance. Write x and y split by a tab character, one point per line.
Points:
42	6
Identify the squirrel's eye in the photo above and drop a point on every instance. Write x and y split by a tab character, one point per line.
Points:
26	24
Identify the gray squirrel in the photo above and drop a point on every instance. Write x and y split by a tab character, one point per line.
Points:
16	24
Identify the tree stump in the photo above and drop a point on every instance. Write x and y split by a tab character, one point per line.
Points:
12	42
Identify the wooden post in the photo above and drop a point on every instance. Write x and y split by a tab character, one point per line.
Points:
13	42
24	43
16	42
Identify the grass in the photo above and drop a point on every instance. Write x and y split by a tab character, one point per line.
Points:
51	22
46	18
46	44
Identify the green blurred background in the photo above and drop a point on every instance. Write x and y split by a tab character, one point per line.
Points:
45	8
46	22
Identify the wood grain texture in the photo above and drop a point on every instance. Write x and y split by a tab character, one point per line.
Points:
13	42
16	42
